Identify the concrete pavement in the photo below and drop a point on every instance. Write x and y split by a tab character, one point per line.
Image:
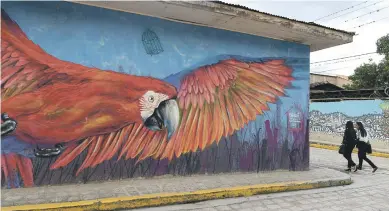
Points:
137	193
166	190
369	192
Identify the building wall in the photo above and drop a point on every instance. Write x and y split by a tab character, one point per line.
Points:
111	59
336	80
328	120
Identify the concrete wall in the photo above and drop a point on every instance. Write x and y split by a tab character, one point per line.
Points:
328	119
336	80
103	99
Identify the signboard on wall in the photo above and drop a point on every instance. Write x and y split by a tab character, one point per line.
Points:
295	118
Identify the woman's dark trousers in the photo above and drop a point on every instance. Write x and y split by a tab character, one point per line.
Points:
362	156
347	154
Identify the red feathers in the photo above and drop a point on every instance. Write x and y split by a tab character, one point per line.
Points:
13	164
66	102
219	99
56	101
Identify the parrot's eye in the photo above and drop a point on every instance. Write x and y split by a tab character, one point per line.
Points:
151	99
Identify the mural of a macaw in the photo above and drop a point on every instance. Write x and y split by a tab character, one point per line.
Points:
74	108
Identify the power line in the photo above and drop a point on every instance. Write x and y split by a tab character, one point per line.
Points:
355	10
343	57
337	62
375	21
379	10
330	70
340	11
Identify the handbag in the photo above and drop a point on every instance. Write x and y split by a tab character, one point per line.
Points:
368	148
341	149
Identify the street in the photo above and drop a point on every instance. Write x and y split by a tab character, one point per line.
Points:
369	192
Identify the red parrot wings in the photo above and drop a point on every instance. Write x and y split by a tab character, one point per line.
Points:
219	99
56	101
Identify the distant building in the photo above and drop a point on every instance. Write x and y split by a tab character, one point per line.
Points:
337	80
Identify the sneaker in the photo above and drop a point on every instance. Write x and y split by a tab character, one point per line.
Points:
354	168
347	169
357	168
375	169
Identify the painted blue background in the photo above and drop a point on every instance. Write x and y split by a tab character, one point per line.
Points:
107	39
352	108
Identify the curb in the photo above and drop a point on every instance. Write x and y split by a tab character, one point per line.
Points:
152	200
336	148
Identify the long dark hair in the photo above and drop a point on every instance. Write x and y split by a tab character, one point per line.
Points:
349	133
362	129
349	126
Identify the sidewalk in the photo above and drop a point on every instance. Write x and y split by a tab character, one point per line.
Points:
380	149
136	193
379	146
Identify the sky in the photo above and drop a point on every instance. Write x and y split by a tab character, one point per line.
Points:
364	41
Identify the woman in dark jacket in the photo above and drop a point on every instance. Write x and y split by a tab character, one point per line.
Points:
349	141
363	147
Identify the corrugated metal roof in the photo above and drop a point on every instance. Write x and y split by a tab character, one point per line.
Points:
290	19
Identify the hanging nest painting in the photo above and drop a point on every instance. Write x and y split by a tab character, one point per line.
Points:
151	42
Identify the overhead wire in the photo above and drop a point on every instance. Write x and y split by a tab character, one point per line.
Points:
340	11
336	62
378	10
346	57
365	24
355	10
330	70
342	61
353	57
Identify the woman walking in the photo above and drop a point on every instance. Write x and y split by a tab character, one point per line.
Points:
363	147
349	141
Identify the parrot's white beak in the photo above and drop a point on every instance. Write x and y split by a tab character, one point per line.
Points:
167	115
